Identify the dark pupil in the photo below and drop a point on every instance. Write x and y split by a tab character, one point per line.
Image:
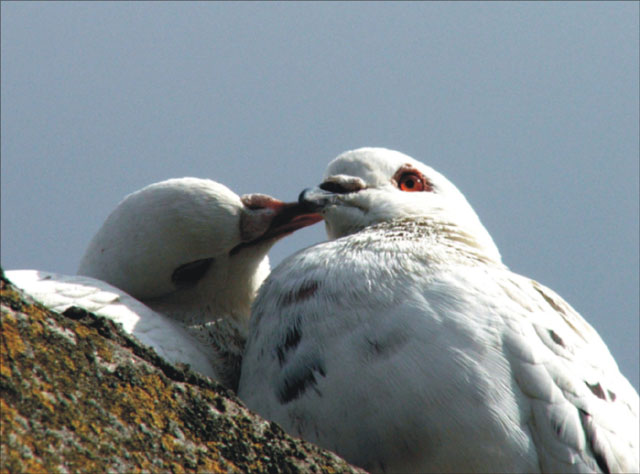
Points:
409	183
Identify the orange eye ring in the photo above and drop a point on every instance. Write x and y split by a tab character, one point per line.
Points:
411	182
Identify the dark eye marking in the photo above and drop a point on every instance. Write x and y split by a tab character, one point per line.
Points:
189	274
410	179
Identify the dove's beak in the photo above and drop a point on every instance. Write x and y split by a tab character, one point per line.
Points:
328	192
266	218
315	199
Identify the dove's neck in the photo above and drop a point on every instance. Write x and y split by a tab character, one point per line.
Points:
227	291
474	244
437	241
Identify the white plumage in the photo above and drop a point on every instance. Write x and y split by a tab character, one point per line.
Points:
405	345
178	264
169	339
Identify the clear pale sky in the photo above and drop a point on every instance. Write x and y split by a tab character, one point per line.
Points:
531	109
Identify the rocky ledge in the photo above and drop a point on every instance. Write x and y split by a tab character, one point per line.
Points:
77	394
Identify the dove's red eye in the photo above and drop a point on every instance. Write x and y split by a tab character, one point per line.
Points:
410	179
411	182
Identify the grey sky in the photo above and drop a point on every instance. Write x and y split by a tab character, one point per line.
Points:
531	109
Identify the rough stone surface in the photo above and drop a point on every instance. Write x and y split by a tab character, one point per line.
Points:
79	395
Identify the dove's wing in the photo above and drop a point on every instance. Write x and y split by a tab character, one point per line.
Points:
168	339
583	412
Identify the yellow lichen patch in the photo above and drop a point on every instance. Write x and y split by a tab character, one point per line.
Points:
9	414
45	400
209	465
140	407
142	395
36	326
8	316
142	462
158	420
68	362
177	468
32	466
104	353
42	385
116	411
161	396
83	331
5	371
81	463
168	442
78	425
96	428
11	340
4	407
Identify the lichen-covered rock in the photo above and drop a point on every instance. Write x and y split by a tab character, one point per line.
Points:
77	394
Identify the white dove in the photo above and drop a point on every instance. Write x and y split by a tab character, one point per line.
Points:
405	345
178	264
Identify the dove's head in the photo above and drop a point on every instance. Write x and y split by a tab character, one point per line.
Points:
183	239
369	186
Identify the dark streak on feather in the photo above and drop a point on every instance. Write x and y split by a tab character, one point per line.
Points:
305	291
291	341
612	395
549	300
596	389
557	339
587	426
386	346
296	384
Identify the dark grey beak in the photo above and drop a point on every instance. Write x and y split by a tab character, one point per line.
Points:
315	199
